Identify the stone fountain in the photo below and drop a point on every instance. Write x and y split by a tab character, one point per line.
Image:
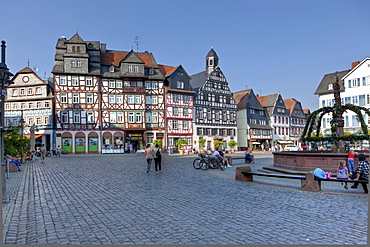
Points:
325	159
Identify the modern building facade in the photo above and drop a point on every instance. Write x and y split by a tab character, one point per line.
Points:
215	108
30	99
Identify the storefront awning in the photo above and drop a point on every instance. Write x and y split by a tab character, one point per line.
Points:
36	136
284	142
256	143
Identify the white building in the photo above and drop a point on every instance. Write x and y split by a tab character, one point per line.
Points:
354	89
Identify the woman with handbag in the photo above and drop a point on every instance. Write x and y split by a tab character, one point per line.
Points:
149	156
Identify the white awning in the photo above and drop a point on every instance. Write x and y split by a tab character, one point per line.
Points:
284	142
256	143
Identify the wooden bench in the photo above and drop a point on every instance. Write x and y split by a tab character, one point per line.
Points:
230	159
308	182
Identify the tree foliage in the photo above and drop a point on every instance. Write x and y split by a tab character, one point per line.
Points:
14	142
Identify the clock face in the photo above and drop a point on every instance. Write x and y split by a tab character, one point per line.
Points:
25	79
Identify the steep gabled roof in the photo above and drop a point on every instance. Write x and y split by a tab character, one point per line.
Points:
133	58
238	96
28	70
76	39
198	80
323	87
355	68
166	70
115	58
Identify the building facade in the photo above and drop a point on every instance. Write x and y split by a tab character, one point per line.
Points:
215	108
297	120
254	129
179	101
354	89
30	99
105	100
279	119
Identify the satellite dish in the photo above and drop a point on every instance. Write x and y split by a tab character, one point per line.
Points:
35	69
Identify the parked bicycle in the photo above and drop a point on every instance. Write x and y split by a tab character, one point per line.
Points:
206	161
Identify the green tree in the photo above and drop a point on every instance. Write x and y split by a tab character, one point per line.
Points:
14	142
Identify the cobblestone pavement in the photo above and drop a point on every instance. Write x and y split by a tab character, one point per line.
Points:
110	199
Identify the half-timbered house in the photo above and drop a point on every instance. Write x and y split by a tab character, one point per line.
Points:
30	99
215	108
297	119
106	100
279	119
77	95
132	98
179	101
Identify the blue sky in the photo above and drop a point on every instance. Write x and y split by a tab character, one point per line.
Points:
270	46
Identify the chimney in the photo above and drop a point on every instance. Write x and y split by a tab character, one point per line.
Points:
354	64
103	48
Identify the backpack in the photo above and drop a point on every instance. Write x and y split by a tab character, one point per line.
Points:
158	153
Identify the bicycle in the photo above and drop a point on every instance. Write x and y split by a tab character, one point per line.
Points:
214	163
198	162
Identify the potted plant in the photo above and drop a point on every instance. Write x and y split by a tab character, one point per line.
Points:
202	144
180	143
218	143
232	144
158	142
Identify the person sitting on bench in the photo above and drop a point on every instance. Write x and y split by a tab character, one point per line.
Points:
247	155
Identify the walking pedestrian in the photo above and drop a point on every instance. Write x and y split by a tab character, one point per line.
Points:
157	159
59	149
342	172
362	172
54	149
149	155
42	151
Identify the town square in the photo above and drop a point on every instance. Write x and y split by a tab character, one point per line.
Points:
184	122
102	199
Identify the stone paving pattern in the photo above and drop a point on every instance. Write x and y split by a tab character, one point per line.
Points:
110	199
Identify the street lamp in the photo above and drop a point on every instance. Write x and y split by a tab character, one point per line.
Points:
21	121
4	82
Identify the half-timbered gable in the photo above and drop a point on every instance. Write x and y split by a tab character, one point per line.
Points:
30	100
215	108
179	106
278	116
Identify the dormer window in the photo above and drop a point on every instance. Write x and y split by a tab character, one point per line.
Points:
111	68
76	48
330	86
133	68
76	64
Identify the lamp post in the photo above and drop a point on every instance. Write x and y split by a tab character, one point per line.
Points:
21	121
4	81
